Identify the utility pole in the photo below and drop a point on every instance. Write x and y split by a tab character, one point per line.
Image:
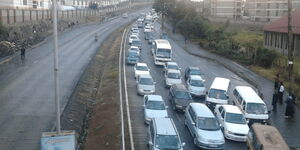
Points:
290	47
56	69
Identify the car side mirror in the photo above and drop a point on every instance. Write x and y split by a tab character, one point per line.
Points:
167	107
183	144
221	125
193	123
150	143
247	121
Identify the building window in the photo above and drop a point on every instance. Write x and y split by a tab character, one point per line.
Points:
41	4
34	4
24	2
258	4
276	12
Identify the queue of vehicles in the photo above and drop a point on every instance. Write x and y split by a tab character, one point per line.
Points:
210	123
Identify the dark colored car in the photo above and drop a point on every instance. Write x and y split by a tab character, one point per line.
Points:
179	97
192	71
132	57
164	36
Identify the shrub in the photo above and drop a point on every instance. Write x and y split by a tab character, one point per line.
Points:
265	57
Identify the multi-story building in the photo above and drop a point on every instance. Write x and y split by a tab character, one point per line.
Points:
268	10
25	4
226	8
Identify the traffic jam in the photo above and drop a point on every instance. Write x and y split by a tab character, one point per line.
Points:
212	114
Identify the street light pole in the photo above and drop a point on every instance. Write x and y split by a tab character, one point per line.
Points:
56	69
290	47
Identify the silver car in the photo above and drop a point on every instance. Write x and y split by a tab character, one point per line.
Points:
145	84
172	77
154	106
196	85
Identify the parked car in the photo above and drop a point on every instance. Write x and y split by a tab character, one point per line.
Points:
192	71
172	77
154	106
132	57
203	127
134	48
141	68
145	84
163	135
196	86
179	97
171	65
132	37
233	122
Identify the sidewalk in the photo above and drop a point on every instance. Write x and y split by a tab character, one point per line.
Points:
289	128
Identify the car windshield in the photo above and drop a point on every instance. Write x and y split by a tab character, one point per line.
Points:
195	72
217	94
146	81
134	37
155	105
197	83
136	43
235	118
208	124
173	67
182	95
142	68
134	49
168	142
256	108
132	54
174	75
164	53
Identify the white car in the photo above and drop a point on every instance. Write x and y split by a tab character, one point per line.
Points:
145	84
172	77
171	65
232	122
132	37
196	85
141	68
147	28
154	106
134	48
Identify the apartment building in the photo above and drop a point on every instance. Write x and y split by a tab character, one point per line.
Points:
268	10
25	4
226	8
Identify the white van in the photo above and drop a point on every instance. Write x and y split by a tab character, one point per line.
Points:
217	93
253	107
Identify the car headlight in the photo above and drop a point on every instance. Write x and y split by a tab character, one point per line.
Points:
229	132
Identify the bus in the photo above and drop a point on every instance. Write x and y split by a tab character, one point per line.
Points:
162	51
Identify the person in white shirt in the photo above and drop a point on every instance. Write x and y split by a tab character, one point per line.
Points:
281	91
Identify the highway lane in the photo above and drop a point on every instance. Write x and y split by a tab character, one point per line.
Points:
211	70
26	91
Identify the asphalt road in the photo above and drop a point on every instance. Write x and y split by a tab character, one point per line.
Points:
183	59
27	90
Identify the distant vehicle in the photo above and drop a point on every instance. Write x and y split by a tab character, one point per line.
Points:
253	107
145	84
132	57
135	31
148	34
164	36
151	39
179	97
134	27
196	86
172	77
192	71
232	122
203	127
125	15
171	65
147	28
137	43
265	137
132	37
162	52
163	135
135	48
154	106
141	68
217	93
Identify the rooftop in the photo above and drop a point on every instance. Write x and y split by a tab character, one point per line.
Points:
164	126
248	94
155	98
281	24
232	109
202	110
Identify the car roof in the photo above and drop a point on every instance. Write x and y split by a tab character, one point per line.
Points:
164	126
141	64
145	76
155	98
134	47
179	87
195	77
232	109
132	51
220	83
202	110
171	63
173	71
162	43
248	94
194	68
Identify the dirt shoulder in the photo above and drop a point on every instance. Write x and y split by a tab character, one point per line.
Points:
93	110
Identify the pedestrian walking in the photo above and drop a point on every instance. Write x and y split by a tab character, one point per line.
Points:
276	83
274	101
23	54
280	93
289	111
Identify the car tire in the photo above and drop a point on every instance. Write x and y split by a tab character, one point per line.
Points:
195	139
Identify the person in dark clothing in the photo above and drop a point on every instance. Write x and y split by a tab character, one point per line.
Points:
23	54
276	83
280	93
289	111
274	101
